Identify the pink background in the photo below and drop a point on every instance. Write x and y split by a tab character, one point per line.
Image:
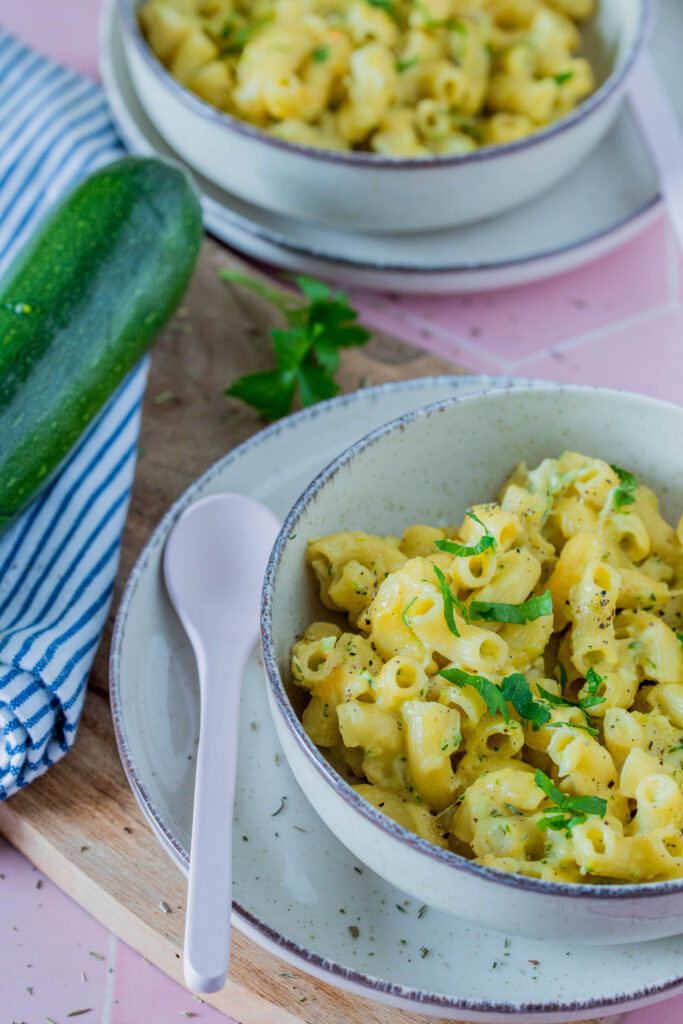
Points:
618	322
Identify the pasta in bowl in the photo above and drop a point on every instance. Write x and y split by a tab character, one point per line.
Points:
489	715
512	688
382	115
407	78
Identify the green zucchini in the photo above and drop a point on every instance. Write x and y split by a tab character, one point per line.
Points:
80	306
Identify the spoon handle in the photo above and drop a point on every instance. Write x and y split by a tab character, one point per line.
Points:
207	928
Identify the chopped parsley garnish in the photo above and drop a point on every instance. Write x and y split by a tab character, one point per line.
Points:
354	931
452	24
527	611
237	40
406	610
466	551
625	492
563	677
594	682
637	645
306	353
575	725
516	689
385	5
562	77
283	801
562	702
320	54
468	126
406	65
679	636
567	811
488	691
450	601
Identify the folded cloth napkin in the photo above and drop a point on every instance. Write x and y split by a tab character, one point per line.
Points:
59	560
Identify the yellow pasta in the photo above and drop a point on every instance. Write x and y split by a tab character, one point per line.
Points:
403	78
512	686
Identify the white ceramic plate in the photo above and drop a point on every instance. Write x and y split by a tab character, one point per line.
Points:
297	890
613	197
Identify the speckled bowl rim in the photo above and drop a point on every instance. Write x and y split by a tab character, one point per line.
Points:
287	947
573	890
614	81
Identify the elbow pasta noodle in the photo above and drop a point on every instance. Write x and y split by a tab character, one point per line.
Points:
403	78
493	687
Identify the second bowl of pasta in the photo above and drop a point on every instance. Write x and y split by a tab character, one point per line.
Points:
472	630
383	115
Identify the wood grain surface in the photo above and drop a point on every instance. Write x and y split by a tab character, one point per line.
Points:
80	823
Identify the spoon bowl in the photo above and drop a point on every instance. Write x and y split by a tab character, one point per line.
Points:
214	561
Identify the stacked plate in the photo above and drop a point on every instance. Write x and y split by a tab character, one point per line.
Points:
298	892
608	200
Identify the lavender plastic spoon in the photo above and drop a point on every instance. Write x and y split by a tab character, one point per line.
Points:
214	561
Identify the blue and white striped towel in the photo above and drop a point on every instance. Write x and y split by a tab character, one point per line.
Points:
58	562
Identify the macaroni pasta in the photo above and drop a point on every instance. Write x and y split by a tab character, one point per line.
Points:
512	689
405	78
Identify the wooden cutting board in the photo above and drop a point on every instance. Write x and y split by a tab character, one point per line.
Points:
80	823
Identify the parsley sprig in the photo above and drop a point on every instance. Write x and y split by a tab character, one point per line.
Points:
568	810
306	353
465	550
625	492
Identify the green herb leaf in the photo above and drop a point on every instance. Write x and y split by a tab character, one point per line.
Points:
306	353
575	725
406	610
449	602
406	65
562	702
679	746
237	40
562	77
624	493
465	551
563	677
385	5
515	689
320	54
452	24
551	698
315	385
491	694
572	809
594	682
527	611
315	291
270	393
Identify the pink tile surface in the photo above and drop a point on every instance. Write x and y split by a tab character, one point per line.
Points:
46	946
618	322
143	993
514	325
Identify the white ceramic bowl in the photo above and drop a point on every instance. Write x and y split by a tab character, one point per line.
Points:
362	191
427	466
